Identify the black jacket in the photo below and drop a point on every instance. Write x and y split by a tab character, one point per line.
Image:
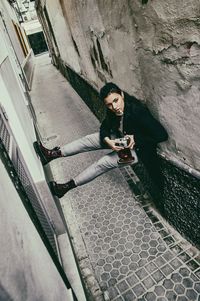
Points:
138	121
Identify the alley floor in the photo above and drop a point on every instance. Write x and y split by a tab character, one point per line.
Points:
132	253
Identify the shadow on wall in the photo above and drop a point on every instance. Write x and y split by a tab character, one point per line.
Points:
4	296
84	89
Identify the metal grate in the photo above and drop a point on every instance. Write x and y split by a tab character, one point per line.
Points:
20	167
35	202
4	134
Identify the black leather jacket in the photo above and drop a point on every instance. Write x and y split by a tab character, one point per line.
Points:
138	121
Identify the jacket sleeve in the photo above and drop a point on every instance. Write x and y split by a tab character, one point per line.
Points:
152	130
105	129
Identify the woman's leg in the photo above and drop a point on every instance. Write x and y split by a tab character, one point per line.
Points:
103	165
85	144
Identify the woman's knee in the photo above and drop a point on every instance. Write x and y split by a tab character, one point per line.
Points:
93	140
108	162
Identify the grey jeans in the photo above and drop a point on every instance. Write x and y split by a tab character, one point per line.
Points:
89	143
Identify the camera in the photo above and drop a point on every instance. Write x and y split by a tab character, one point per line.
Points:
122	142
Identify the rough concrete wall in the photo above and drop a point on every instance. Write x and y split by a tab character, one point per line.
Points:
105	43
72	18
27	272
63	36
152	51
120	34
168	53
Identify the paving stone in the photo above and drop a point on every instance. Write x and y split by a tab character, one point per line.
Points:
171	295
184	272
132	280
175	263
143	254
193	265
150	296
112	282
112	292
119	299
107	267
109	259
138	290
159	261
176	277
141	273
114	273
124	269
125	261
159	290
191	294
168	255
166	269
184	257
116	264
179	289
150	267
182	298
197	273
122	286
148	282
197	287
157	276
168	284
142	262
129	296
105	276
187	282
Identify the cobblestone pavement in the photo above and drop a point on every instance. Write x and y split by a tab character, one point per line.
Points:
134	254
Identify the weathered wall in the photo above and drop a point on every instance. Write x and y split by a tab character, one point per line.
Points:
63	36
151	50
10	18
169	57
27	271
12	93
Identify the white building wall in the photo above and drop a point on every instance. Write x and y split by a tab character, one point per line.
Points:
9	16
13	99
27	271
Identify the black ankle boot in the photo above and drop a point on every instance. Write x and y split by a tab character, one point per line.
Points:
60	189
46	155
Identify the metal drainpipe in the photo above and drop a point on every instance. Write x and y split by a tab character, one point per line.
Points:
179	164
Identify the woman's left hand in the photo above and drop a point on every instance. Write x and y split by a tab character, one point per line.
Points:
132	141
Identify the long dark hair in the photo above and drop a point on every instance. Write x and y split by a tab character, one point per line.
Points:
107	89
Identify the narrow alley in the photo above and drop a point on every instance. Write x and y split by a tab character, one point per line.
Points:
125	250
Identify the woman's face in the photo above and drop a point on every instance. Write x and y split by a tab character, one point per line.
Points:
115	103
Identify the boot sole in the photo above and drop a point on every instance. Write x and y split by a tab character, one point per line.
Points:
43	160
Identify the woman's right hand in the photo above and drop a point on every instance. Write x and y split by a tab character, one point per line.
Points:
112	145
